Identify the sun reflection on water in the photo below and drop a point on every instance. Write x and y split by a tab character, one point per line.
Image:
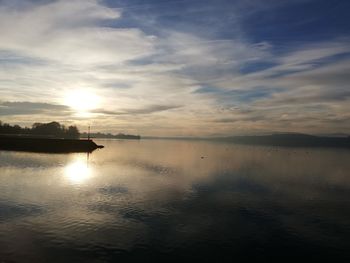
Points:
78	171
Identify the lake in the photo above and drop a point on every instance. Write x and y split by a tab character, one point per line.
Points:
175	200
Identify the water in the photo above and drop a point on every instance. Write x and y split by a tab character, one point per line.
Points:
159	200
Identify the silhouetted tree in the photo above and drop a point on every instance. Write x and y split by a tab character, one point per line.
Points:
8	129
52	128
72	132
48	129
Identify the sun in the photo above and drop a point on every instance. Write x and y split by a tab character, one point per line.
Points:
83	101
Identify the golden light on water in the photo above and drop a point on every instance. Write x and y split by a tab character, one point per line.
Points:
78	171
82	101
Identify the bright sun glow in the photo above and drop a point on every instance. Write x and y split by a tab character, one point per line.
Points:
82	101
77	171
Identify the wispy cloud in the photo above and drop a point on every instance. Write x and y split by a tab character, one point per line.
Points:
137	111
31	108
158	76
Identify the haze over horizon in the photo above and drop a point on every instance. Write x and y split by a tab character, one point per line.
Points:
177	68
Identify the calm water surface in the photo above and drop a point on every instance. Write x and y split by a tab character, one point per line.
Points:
158	200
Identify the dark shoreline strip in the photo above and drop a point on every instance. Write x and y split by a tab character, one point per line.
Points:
47	145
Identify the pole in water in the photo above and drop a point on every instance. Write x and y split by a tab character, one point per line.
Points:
89	132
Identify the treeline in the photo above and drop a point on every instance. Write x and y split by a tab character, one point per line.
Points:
111	136
51	129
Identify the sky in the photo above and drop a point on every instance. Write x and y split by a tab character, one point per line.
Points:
177	67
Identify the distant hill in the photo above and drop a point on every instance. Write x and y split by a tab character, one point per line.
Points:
111	136
290	140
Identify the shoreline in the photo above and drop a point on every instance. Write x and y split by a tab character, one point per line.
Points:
47	145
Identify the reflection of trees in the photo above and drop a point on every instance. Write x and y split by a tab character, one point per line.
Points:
52	128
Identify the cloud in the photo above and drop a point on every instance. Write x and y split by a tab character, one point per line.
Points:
30	108
146	110
140	63
68	32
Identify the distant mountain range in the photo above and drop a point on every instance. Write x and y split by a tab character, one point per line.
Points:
278	139
290	140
